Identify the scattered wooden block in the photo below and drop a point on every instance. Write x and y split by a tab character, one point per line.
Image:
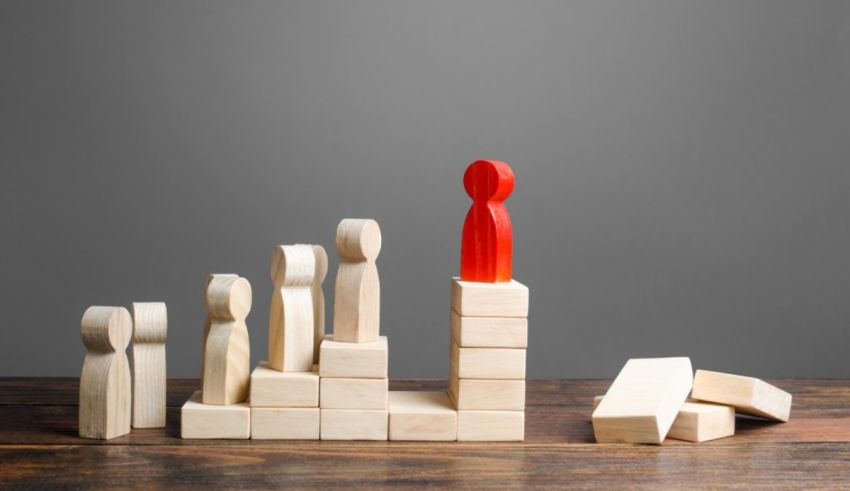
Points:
353	360
487	363
489	299
643	401
357	293
199	420
747	394
105	392
354	424
291	326
421	416
489	332
270	388
150	321
285	423
503	395
354	393
490	426
319	299
227	356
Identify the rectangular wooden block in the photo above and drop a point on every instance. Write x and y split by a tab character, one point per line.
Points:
354	424
699	421
489	332
285	423
353	360
747	394
489	299
487	363
643	401
504	395
270	388
199	420
354	393
421	416
491	426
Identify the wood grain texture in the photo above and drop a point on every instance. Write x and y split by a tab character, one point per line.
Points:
357	292
354	393
270	388
321	258
489	299
489	332
421	416
207	321
150	330
747	394
227	355
355	360
291	327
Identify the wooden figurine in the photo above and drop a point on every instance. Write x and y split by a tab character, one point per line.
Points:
207	321
150	321
105	392
357	293
227	354
487	244
319	299
291	328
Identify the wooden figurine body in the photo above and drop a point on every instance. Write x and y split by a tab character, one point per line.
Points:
357	293
227	353
319	299
291	328
105	392
207	321
150	325
487	244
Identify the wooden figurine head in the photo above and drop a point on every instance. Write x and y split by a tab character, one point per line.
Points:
358	239
293	265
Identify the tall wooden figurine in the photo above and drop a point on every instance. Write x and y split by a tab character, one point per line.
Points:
207	322
150	327
357	293
227	354
319	299
291	325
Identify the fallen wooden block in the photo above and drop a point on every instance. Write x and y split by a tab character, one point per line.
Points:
354	424
353	360
489	332
421	416
285	423
489	299
643	401
487	363
354	393
504	395
490	426
270	388
199	420
747	394
150	327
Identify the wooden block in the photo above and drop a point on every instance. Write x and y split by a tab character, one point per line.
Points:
354	393
421	416
643	401
503	395
227	356
747	394
319	299
353	360
270	388
489	299
487	363
489	332
150	321
357	293
291	326
699	421
491	426
284	423
199	420
354	424
105	391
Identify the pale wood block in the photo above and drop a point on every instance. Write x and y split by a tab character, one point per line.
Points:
357	293
643	401
421	416
504	395
491	426
487	363
270	388
150	321
489	332
199	420
747	394
354	393
354	424
291	323
227	357
285	423
353	360
489	299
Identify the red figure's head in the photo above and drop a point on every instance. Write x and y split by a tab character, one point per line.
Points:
488	180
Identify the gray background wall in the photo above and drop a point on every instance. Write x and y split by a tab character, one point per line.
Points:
682	169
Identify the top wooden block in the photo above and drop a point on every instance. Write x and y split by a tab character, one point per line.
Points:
353	360
747	394
489	299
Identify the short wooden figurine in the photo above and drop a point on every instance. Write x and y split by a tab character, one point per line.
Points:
357	293
227	353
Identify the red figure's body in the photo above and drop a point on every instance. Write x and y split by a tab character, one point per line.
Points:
487	247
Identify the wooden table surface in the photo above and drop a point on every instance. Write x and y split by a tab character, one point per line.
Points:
39	447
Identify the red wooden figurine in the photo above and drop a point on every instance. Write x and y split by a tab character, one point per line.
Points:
487	246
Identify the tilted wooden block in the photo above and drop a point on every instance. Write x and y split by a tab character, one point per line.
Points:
747	394
270	388
199	420
490	426
353	360
643	401
227	357
354	393
150	321
354	424
421	416
291	326
489	332
505	395
285	423
487	363
357	293
489	299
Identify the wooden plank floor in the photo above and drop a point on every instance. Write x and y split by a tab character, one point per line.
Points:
39	447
